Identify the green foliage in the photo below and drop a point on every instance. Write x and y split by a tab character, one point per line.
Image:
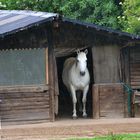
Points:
36	5
95	11
131	16
113	137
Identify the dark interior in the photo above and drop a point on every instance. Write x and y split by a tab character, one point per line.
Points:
65	102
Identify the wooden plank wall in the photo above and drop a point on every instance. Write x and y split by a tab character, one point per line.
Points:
106	64
108	101
135	68
26	105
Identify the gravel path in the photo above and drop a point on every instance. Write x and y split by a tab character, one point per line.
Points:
63	129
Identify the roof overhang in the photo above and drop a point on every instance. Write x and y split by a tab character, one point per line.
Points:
12	21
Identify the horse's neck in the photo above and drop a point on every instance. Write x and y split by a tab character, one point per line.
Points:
77	70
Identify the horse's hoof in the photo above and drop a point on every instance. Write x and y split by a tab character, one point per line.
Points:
84	115
74	117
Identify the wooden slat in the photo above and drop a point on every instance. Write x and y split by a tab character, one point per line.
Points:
135	83
23	107
24	102
24	95
137	65
135	68
16	89
135	77
28	106
135	73
23	111
135	86
135	80
30	116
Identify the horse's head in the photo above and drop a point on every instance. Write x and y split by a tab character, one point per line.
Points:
81	61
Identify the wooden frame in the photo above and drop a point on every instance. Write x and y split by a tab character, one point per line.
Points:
96	104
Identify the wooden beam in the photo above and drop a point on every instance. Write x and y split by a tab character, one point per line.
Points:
96	104
51	72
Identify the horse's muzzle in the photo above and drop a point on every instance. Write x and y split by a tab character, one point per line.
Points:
82	73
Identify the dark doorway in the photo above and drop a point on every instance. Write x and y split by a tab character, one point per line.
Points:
65	101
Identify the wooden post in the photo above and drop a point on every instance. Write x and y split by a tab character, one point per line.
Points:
51	72
47	75
96	104
56	87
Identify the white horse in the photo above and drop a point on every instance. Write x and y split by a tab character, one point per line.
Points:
76	77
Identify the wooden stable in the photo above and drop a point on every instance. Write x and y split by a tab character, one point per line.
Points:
24	80
33	48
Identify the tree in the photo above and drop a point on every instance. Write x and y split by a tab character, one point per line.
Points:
102	12
36	5
131	16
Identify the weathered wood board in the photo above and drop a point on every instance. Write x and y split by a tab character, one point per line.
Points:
135	68
31	106
108	101
106	64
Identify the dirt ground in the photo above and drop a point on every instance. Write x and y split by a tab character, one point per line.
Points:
68	128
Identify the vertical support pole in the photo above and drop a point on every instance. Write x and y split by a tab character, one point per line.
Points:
51	71
47	69
96	104
56	87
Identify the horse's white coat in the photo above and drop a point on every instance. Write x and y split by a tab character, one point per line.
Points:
76	77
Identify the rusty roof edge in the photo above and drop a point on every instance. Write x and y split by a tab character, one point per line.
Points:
102	28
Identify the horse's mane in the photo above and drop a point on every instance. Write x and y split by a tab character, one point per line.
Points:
69	62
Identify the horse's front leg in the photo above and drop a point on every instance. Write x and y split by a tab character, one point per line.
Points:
74	100
84	99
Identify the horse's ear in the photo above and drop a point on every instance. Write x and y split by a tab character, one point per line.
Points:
78	51
86	51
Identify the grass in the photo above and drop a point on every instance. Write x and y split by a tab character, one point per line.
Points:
113	137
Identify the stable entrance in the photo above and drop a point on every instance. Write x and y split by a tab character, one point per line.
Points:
64	99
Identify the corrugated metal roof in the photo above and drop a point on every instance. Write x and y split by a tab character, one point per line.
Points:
15	20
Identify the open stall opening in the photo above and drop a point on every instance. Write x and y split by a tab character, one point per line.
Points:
65	105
